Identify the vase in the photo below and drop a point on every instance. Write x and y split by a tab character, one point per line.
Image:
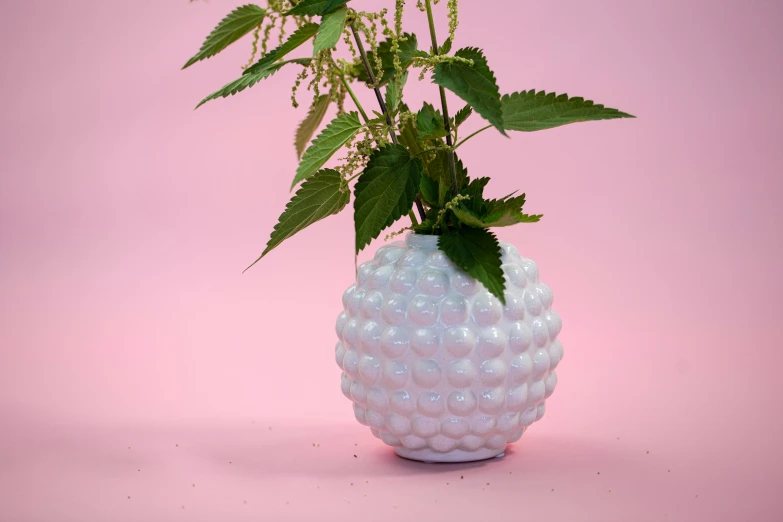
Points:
434	364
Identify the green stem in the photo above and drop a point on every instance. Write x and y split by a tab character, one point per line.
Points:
381	103
471	135
371	76
354	98
413	217
444	106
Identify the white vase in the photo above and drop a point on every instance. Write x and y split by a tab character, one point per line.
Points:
437	366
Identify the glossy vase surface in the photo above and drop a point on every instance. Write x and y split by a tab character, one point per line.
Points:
434	364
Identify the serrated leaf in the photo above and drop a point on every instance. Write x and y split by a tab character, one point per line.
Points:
315	7
505	218
242	83
408	49
532	111
297	38
462	115
311	123
429	123
475	191
324	194
234	26
385	191
503	212
330	30
394	93
477	252
329	141
474	84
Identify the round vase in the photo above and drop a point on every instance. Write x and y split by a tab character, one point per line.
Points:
434	364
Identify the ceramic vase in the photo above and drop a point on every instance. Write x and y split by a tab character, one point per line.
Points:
434	364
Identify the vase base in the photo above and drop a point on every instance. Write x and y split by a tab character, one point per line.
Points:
429	456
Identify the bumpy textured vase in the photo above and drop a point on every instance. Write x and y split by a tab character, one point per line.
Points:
436	365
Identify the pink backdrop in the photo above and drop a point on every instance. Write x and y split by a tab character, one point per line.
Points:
143	377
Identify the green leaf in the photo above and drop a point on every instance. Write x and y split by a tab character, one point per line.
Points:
429	123
446	47
499	206
438	168
462	115
532	111
409	136
244	82
505	218
429	190
329	141
297	38
503	212
330	30
385	191
316	7
310	124
407	51
237	24
322	195
394	93
476	85
475	190
477	252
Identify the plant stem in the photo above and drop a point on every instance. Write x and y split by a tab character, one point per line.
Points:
443	104
413	217
371	76
382	103
471	135
355	99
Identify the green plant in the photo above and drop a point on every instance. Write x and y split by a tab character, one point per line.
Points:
400	159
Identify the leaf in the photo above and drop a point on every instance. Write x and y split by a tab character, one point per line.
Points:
316	7
477	252
505	218
503	212
322	195
462	115
408	49
446	47
394	93
499	206
296	39
244	82
429	123
237	24
438	168
330	30
429	190
311	122
329	141
409	136
532	111
475	190
476	85
385	191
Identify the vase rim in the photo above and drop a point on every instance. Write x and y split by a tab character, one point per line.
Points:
429	242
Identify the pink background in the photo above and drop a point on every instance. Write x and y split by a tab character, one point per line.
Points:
143	377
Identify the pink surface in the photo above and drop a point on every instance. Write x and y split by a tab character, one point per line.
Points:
126	219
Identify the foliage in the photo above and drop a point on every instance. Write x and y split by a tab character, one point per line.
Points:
322	195
400	159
